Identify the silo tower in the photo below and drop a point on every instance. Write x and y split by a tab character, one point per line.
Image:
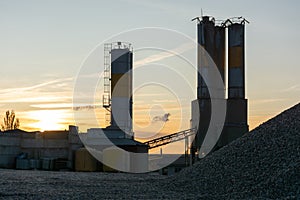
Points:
211	45
117	98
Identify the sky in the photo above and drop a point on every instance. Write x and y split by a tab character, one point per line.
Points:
45	43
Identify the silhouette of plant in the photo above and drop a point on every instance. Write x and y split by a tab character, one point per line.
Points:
10	121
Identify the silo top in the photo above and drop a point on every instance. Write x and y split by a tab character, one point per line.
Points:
121	60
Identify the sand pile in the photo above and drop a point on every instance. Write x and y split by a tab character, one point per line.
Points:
264	163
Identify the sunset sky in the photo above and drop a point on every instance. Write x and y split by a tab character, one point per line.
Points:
44	44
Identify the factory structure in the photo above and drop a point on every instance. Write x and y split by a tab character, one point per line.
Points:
212	38
224	42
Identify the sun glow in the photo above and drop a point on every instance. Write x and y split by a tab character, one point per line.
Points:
48	119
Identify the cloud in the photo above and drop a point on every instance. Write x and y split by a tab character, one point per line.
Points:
41	85
86	107
163	55
294	88
165	101
163	118
52	105
263	101
75	107
49	91
147	94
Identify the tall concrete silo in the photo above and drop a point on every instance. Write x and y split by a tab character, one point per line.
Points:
118	87
220	50
205	32
211	45
236	123
121	87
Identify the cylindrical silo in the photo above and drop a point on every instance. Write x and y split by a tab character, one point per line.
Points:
121	87
220	51
201	107
206	42
236	123
236	61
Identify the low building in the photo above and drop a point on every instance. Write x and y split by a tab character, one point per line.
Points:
47	145
56	150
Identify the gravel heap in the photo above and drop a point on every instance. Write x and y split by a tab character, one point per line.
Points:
264	163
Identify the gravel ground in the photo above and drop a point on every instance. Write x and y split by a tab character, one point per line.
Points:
263	164
21	184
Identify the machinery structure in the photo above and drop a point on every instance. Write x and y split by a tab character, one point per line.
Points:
212	38
167	139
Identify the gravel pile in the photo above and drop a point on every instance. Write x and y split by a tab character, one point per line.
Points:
264	163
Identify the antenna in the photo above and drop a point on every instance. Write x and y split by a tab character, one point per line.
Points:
201	13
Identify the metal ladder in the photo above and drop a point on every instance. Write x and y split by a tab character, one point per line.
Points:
106	99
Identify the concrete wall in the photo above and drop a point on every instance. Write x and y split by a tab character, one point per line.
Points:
9	149
38	145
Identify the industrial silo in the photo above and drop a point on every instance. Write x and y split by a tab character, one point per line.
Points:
219	55
121	87
201	107
236	123
206	44
236	61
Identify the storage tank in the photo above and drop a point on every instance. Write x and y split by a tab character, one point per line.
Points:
236	123
139	162
236	60
121	87
206	42
211	40
211	50
116	159
220	51
84	161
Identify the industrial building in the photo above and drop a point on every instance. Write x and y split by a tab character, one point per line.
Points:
39	150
